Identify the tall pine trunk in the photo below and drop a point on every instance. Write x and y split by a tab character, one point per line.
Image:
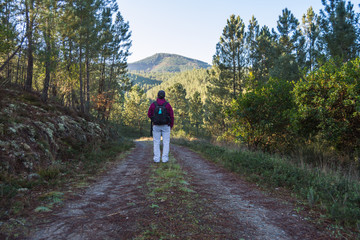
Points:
87	84
29	35
234	74
81	82
47	37
18	68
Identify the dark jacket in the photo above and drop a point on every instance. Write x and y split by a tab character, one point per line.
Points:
168	109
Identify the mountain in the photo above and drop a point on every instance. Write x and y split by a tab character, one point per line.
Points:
165	62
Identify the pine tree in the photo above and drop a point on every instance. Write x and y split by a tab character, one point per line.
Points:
311	30
216	105
339	25
48	22
264	56
8	35
176	96
196	112
230	55
120	46
135	109
251	40
289	48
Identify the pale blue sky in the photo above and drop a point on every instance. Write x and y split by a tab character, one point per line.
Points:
193	27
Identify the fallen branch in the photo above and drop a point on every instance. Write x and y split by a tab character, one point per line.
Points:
12	55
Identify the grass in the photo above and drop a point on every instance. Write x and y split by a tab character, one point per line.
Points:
177	211
335	195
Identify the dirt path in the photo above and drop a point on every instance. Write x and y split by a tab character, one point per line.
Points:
108	209
257	215
115	205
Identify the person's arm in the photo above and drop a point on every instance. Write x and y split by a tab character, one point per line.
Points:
151	110
171	114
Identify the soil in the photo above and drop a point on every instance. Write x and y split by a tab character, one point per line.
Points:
115	206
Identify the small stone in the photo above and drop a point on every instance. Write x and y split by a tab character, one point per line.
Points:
13	130
23	190
26	147
33	176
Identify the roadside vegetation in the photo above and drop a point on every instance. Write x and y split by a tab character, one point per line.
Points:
326	194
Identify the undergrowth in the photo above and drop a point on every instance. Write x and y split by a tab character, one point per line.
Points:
338	196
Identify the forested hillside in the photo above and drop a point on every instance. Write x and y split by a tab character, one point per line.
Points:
192	81
152	71
165	62
148	80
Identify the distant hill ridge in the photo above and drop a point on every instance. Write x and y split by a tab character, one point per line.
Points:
166	62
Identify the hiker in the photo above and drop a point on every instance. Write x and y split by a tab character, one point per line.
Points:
162	119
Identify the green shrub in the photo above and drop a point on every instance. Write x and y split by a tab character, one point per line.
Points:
328	104
50	173
263	115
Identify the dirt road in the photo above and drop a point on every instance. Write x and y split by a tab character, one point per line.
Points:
115	206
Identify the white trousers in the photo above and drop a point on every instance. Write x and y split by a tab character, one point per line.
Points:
164	131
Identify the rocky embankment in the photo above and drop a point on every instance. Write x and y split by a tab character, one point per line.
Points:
35	136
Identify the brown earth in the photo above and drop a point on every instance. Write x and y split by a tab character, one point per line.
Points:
116	205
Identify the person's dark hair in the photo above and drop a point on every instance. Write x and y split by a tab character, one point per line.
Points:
161	94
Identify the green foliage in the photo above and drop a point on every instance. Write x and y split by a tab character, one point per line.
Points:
261	57
8	33
144	82
230	56
49	173
192	81
177	98
340	29
42	209
311	31
329	105
288	56
133	113
263	115
196	109
217	105
50	200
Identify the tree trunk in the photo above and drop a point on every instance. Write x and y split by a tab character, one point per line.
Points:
239	67
81	82
44	95
102	78
18	69
234	76
29	35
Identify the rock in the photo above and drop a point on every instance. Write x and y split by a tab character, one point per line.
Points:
33	177
23	190
61	127
26	147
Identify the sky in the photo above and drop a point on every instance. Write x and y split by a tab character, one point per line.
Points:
192	28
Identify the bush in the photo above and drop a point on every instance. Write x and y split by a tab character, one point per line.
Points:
263	115
329	105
